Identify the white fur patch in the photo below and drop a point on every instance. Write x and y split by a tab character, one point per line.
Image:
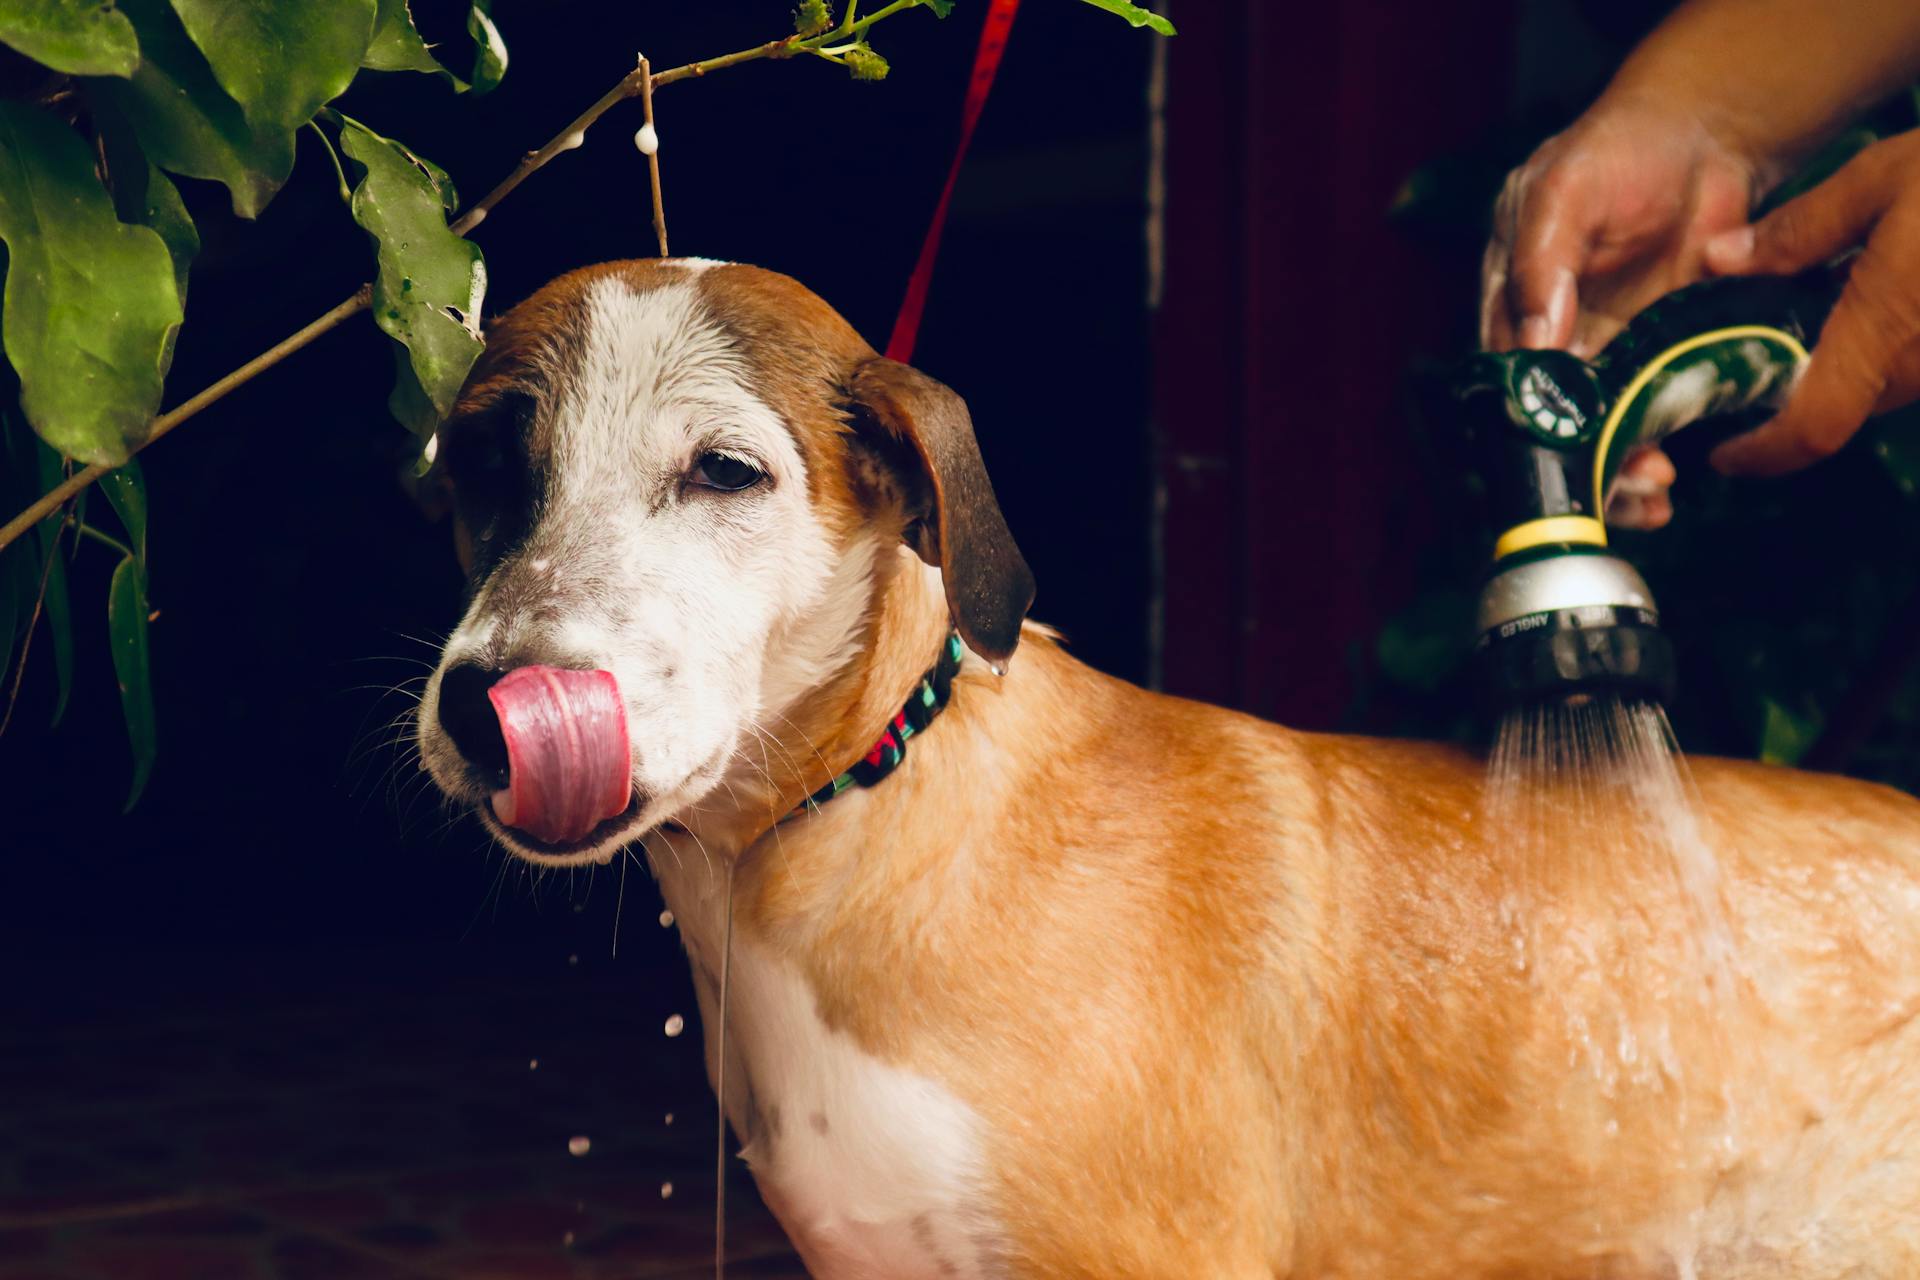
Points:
874	1171
711	609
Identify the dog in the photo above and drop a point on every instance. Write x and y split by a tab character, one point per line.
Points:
1067	978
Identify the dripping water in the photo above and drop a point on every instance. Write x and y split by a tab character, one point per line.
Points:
720	1094
1617	914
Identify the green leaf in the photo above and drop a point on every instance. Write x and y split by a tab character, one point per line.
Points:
187	123
77	37
1896	443
431	283
59	611
91	304
864	63
941	8
126	490
281	60
127	630
1785	736
143	194
811	17
1135	15
397	46
1423	646
490	51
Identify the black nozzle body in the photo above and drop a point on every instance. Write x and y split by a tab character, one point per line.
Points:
1572	653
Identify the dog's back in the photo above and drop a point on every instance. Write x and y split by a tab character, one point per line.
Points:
1103	983
1689	1034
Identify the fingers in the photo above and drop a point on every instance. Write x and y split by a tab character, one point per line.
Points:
1868	351
1496	329
1552	236
1815	226
1541	236
1840	388
1496	326
1639	498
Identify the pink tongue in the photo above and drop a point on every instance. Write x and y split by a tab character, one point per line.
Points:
568	764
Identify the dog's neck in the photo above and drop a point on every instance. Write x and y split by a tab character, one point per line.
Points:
866	668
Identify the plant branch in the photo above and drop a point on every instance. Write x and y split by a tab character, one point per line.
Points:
568	138
50	501
634	82
653	157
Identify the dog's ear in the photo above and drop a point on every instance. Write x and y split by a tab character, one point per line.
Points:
989	585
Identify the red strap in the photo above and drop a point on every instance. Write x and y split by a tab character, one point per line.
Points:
986	61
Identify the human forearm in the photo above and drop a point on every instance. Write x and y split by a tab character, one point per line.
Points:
1772	79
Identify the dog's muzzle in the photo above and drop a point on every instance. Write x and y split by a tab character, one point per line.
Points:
550	744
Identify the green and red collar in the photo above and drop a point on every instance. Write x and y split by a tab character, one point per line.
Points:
926	701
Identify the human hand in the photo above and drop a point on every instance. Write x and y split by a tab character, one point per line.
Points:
1868	358
1603	220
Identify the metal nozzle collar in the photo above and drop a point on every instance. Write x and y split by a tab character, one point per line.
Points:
1560	582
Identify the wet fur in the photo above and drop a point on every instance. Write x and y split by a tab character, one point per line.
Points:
1209	997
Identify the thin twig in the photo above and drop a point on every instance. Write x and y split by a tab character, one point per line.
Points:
51	500
630	84
653	157
26	645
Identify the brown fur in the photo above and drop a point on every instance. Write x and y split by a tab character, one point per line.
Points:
1232	1000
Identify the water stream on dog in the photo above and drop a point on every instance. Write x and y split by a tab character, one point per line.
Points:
1618	917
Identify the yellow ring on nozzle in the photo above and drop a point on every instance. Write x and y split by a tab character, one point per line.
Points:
1653	369
1547	529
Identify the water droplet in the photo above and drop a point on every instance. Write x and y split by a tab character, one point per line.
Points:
566	1241
666	1191
578	907
647	138
675	1025
666	919
669	1117
432	450
577	138
574	959
533	1064
579	1145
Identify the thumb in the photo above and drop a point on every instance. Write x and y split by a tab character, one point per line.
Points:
1812	227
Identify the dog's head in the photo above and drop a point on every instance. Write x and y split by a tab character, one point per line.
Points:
693	478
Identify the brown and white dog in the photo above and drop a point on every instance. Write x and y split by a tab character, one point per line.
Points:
1099	982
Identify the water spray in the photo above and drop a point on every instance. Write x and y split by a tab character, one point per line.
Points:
1561	617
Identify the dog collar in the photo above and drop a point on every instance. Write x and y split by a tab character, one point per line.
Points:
922	705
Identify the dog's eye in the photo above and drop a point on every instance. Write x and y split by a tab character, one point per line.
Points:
725	472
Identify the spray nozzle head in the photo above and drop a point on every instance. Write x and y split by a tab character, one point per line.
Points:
1570	625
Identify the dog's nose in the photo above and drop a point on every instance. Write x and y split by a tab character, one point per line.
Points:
469	719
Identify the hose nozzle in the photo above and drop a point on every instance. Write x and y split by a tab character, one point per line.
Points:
1560	616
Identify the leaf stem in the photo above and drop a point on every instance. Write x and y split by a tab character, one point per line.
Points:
101	536
346	191
33	624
